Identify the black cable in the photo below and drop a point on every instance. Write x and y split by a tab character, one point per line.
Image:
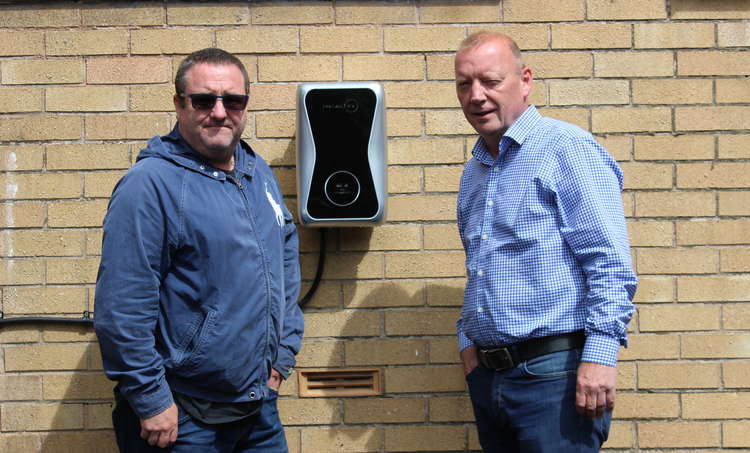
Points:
319	272
85	320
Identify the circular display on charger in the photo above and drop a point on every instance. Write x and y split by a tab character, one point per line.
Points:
342	188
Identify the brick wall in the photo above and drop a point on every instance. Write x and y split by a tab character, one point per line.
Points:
662	84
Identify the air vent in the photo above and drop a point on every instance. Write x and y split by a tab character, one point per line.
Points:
339	382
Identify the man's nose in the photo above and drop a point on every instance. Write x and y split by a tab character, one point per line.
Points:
218	111
476	93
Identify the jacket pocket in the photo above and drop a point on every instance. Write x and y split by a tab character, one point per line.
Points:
189	353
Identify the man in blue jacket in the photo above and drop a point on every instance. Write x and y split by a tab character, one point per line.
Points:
196	297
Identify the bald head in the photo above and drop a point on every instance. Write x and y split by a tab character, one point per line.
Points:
480	38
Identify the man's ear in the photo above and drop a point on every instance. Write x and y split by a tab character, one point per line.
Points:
179	104
527	80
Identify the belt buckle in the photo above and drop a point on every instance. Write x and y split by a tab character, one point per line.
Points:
499	359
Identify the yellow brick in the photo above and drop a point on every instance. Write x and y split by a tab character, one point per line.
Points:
70	334
77	386
647	175
383	67
98	416
404	122
100	184
19	442
339	39
439	67
321	354
46	127
151	98
207	15
384	410
275	152
734	434
706	289
422	39
20	387
679	317
426	151
287	180
441	237
672	91
259	39
421	322
17	43
134	14
309	411
715	346
46	357
650	233
41	16
675	204
20	417
713	175
303	68
445	292
45	185
119	70
427	264
424	438
169	41
631	119
303	12
736	316
386	237
447	122
735	260
444	350
716	405
732	90
275	124
625	9
80	442
404	179
40	243
734	146
734	34
76	213
19	334
371	13
451	409
372	352
543	11
417	207
442	179
342	324
674	35
712	62
591	36
21	157
710	118
674	147
21	272
678	261
72	270
573	115
633	64
127	126
421	95
387	293
90	98
587	92
559	64
710	9
651	347
466	13
736	374
93	242
634	405
425	379
619	147
713	232
22	214
87	42
678	434
341	439
87	156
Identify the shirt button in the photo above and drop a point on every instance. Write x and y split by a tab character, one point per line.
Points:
480	310
490	203
480	272
496	169
252	395
202	167
216	174
484	236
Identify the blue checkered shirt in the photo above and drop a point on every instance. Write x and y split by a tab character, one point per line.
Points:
545	238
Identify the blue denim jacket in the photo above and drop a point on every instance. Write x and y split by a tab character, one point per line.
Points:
199	278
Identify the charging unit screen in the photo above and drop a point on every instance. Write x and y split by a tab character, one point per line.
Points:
341	123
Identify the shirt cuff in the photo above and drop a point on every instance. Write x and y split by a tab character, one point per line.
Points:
601	349
153	403
463	341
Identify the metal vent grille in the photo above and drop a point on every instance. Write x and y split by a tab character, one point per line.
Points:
339	382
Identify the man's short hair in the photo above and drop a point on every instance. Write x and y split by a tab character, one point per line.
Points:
211	55
478	38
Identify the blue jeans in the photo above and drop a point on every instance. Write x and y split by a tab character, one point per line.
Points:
259	433
531	408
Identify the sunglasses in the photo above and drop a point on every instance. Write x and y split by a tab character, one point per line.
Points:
206	101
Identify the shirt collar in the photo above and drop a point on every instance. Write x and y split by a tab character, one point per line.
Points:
517	132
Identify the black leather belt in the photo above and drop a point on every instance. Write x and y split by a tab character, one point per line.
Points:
506	357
